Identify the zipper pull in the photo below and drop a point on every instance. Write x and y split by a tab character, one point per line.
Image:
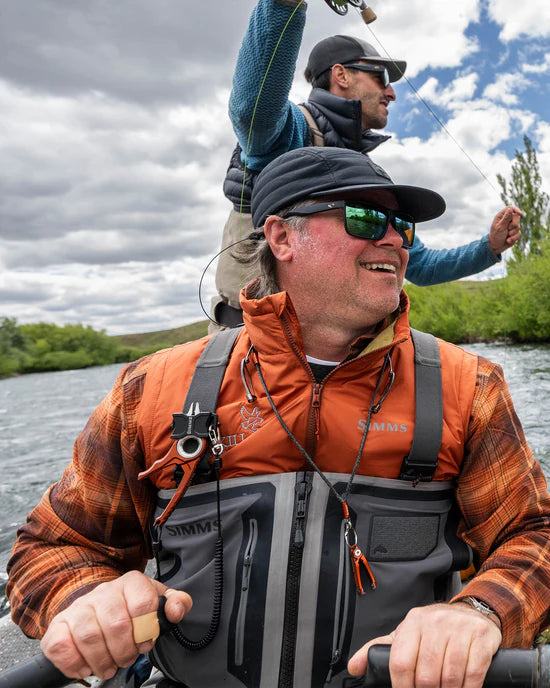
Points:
358	559
316	405
302	490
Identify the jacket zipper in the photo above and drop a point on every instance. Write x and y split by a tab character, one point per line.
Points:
294	570
312	428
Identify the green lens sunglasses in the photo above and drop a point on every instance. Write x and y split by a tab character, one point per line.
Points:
364	220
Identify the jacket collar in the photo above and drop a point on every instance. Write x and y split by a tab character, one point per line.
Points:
345	117
272	321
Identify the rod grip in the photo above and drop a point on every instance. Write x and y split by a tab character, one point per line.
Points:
368	15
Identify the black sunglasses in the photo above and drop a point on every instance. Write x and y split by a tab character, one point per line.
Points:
364	220
379	70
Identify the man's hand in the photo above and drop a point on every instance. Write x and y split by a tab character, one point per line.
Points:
94	635
443	645
505	229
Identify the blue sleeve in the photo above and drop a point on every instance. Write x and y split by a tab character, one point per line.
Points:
277	124
431	266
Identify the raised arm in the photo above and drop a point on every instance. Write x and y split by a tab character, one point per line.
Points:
277	124
432	266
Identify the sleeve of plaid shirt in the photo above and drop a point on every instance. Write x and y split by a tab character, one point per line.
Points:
92	526
505	507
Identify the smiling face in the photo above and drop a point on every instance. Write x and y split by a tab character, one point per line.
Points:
349	282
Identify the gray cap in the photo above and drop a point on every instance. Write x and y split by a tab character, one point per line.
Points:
345	49
341	173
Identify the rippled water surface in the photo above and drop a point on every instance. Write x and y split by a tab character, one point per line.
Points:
40	416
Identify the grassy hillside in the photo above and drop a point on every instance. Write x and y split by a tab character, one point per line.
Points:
153	341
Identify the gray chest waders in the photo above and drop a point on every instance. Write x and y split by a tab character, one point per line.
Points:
290	614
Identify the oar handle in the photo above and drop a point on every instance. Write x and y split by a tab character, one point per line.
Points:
40	672
512	668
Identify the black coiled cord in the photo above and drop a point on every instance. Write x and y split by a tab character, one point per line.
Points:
217	608
208	637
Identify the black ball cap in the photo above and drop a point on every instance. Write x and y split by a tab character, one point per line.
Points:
341	173
345	49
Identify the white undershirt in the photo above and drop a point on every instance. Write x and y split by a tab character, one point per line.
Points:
319	361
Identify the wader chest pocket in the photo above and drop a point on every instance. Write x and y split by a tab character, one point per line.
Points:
403	537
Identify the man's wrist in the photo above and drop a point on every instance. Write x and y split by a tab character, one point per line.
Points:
482	608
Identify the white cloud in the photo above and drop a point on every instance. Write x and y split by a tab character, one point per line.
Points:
540	68
424	32
457	92
504	89
115	140
520	19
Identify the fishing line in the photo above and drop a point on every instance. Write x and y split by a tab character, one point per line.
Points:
259	95
253	236
431	111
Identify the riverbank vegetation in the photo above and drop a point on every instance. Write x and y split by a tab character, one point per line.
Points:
513	309
45	347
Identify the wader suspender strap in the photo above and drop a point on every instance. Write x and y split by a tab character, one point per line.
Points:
205	385
197	424
201	423
421	462
318	138
199	409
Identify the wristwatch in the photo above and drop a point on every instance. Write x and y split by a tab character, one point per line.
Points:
483	608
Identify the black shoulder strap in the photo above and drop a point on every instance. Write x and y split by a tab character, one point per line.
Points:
421	462
202	396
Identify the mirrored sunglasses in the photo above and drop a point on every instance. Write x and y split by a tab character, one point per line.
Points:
365	220
379	70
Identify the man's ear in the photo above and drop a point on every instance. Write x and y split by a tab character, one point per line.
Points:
340	79
278	235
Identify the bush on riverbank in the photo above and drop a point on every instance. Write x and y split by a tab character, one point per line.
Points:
514	308
44	347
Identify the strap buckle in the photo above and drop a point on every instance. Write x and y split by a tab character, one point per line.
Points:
194	422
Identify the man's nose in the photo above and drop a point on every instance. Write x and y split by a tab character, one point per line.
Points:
390	238
390	93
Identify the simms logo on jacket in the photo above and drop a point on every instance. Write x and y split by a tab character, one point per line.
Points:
382	427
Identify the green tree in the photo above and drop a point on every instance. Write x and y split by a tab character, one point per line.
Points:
525	191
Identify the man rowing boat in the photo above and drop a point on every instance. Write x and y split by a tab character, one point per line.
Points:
352	467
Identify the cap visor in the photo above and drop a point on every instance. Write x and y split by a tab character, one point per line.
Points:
396	68
421	204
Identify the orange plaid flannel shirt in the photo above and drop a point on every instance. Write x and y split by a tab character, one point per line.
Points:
93	525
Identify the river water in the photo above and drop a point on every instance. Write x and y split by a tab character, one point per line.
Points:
40	416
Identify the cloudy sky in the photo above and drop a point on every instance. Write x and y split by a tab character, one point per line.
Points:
114	138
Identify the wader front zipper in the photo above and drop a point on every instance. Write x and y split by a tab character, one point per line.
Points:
294	570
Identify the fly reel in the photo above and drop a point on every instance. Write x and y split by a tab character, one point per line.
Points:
341	8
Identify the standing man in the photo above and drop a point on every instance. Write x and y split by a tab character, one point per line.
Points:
352	92
352	468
